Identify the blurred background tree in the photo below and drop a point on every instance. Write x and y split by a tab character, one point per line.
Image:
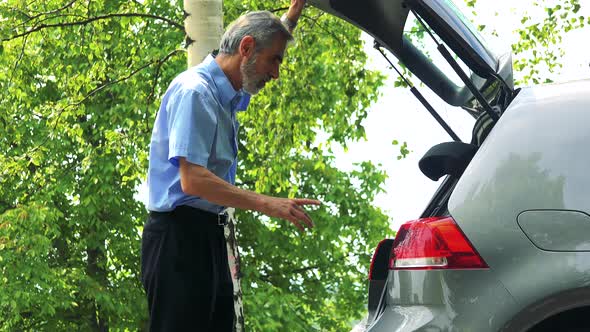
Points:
80	87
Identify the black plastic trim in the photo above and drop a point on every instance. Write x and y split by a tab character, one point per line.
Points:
378	280
449	158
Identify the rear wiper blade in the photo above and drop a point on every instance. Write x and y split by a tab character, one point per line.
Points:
419	96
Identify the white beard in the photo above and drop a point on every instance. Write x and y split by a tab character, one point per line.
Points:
252	82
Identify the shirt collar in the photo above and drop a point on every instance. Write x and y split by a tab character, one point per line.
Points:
244	102
226	91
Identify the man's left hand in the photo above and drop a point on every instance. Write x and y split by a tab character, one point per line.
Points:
295	10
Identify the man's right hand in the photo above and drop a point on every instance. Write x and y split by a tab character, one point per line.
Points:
290	209
198	181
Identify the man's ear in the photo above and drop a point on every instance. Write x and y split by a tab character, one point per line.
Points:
247	46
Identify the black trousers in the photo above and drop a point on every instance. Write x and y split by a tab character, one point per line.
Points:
185	272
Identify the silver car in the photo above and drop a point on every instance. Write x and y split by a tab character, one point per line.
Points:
504	244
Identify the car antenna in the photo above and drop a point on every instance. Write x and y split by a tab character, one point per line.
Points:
419	96
445	53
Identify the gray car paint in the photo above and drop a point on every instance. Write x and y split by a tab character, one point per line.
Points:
556	230
532	160
413	304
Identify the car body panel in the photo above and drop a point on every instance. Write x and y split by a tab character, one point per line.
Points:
436	300
408	318
533	159
549	307
556	230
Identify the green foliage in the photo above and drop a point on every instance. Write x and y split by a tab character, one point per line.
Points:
403	149
78	102
77	105
31	284
79	90
538	50
538	40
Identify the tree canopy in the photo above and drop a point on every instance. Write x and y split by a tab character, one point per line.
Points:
80	86
79	97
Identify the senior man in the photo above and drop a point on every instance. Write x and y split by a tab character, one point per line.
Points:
193	158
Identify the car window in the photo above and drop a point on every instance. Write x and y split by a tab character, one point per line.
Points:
416	33
455	18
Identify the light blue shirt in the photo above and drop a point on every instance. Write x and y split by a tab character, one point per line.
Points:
197	121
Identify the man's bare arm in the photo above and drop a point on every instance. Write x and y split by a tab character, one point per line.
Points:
295	10
292	15
198	181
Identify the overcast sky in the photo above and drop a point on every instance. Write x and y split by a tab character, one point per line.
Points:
399	116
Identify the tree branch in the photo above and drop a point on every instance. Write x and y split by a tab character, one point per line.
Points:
331	33
52	11
278	9
18	60
157	73
269	276
102	87
77	16
305	269
92	19
97	90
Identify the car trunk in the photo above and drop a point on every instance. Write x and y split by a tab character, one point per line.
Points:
488	76
387	22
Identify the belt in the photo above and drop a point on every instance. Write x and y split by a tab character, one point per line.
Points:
189	212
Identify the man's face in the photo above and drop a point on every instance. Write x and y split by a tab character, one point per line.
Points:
262	66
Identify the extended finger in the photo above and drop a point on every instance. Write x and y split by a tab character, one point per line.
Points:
306	201
302	215
293	219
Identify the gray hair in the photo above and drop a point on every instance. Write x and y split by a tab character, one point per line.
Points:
261	25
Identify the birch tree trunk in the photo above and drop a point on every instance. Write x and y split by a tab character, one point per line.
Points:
204	27
233	258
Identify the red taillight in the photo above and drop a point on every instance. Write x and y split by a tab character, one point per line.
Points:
433	243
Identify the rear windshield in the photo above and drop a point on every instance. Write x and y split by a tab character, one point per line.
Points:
455	18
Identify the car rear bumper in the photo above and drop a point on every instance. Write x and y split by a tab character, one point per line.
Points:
409	318
444	301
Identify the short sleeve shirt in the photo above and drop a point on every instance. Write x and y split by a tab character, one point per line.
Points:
197	121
